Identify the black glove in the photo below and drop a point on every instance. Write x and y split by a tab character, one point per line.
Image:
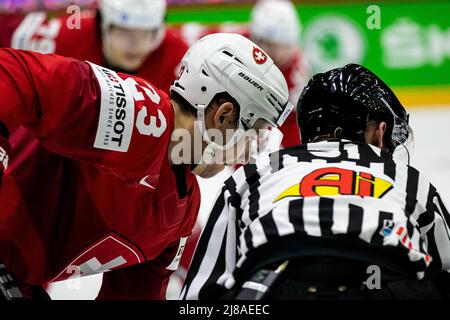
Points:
8	287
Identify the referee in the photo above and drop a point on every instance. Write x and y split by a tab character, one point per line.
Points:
337	218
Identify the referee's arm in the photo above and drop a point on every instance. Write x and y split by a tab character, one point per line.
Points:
214	258
435	226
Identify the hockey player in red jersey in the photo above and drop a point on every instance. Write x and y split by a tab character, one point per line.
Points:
275	27
126	36
57	222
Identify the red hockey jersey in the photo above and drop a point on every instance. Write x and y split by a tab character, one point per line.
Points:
101	195
296	74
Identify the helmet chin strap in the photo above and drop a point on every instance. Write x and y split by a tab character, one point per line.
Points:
207	159
210	150
213	149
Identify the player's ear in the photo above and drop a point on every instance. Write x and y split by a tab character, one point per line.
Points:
224	116
381	131
375	133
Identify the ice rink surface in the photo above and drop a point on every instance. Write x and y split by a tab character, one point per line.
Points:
431	127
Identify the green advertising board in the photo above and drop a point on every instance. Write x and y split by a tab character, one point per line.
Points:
408	44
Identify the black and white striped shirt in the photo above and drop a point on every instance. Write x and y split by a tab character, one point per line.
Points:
326	189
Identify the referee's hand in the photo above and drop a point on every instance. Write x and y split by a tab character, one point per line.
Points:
8	287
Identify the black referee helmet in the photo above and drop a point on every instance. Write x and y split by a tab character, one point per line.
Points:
348	98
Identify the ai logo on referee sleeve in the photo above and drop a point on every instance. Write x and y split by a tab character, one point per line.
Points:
337	181
388	226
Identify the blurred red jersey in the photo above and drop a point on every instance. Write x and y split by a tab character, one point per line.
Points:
296	74
63	36
96	192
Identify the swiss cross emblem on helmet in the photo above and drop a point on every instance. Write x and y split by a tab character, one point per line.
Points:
259	56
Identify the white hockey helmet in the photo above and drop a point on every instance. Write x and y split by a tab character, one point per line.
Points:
231	63
276	21
133	14
227	62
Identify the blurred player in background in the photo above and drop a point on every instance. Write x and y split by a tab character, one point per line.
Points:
126	36
276	27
